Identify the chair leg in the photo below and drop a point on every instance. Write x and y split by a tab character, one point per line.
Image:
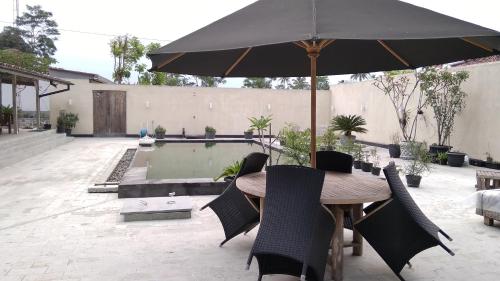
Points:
223	242
446	249
400	277
304	271
260	278
249	261
445	235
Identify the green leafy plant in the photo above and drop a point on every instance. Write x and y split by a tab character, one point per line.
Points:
296	144
260	124
69	120
442	157
375	157
395	138
357	152
420	162
159	130
209	130
230	171
329	139
347	147
444	95
348	124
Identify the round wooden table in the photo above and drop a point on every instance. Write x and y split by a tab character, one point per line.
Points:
340	192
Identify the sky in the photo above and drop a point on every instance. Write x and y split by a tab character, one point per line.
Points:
87	26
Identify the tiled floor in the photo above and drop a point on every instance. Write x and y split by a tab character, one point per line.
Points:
52	229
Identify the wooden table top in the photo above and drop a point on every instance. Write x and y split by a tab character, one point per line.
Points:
488	174
338	188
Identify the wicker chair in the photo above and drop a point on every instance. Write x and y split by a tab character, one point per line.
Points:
338	162
397	229
295	231
236	212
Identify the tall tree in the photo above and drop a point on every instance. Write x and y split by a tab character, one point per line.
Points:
39	31
259	83
178	80
12	38
300	83
208	81
25	60
150	78
284	83
126	51
323	83
361	76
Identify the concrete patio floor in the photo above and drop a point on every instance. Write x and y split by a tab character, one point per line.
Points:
52	229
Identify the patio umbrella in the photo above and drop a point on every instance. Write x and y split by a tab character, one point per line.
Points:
283	38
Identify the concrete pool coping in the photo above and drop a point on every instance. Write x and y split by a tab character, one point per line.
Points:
135	183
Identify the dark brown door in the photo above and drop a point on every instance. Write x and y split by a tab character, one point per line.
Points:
110	113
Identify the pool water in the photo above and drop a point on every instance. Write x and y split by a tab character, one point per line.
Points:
194	160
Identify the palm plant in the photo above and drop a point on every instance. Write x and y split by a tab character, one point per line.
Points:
230	171
348	124
284	83
300	83
360	76
260	124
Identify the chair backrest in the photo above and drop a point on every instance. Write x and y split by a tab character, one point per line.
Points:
292	199
252	163
334	161
400	193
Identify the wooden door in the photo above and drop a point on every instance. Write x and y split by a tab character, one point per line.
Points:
110	113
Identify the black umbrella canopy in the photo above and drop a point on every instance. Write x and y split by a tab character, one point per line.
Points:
268	38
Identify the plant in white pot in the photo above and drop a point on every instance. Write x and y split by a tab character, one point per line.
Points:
348	124
418	165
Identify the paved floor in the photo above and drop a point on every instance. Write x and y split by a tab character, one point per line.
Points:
52	229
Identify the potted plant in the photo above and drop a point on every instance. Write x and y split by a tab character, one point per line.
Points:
357	151
47	126
210	132
443	93
69	122
261	124
328	140
248	134
8	116
455	158
442	158
230	172
376	162
366	165
160	132
348	124
414	168
394	148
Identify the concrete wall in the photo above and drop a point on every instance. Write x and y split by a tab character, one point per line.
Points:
189	107
477	129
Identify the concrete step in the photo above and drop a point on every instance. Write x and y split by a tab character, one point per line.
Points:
16	149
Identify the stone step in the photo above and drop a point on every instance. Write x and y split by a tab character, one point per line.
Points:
157	208
22	140
34	146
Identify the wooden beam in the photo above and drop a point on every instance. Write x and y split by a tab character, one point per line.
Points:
403	61
170	60
240	58
479	45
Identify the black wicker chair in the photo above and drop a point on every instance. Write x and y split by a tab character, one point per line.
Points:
397	229
338	162
236	212
296	230
334	161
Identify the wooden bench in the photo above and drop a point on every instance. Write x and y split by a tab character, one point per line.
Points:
487	180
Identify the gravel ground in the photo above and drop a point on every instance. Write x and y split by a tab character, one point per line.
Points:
122	166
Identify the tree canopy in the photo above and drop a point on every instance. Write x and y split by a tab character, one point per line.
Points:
259	83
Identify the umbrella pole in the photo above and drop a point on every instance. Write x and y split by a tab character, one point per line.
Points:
313	54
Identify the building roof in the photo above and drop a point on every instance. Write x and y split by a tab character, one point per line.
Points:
95	78
25	76
479	60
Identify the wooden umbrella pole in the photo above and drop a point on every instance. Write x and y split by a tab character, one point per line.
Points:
313	53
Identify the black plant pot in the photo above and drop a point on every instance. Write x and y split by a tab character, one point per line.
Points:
68	132
248	135
357	164
229	178
456	159
394	150
473	162
413	181
210	135
442	161
366	166
47	126
435	149
60	129
160	135
376	171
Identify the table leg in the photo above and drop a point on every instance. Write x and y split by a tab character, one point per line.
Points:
261	207
357	239
338	245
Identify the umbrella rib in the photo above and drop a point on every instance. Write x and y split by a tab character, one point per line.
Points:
170	60
300	44
477	44
240	58
390	50
326	43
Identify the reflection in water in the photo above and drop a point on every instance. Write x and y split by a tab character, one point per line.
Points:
194	160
